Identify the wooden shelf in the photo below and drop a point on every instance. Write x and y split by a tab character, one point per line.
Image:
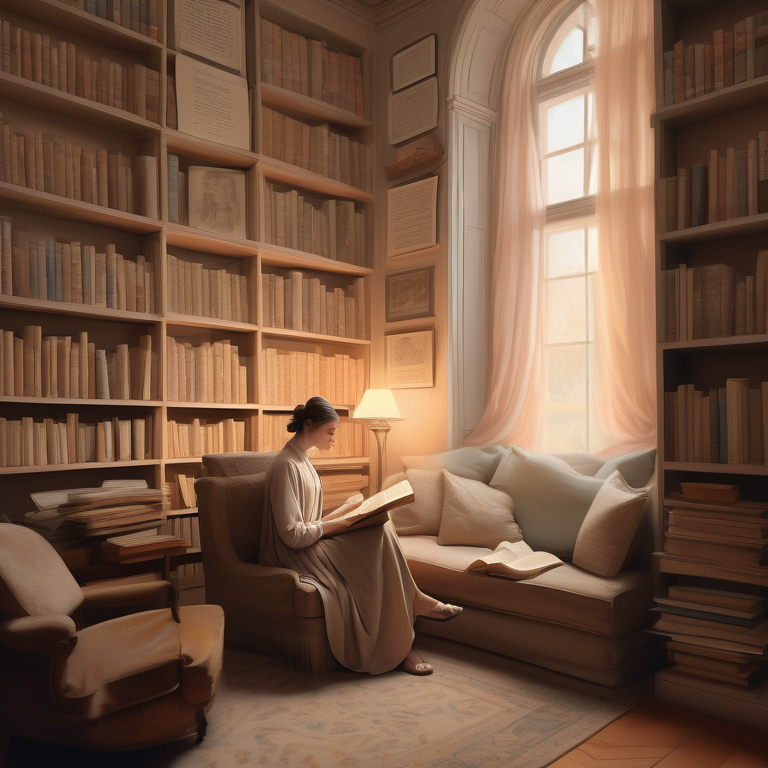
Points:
80	401
276	96
211	406
78	310
289	408
182	512
53	100
175	319
49	204
190	146
291	334
84	465
721	341
86	24
209	242
746	225
278	256
181	460
292	175
345	463
723	469
750	93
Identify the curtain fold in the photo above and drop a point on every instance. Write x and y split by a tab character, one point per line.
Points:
625	315
514	382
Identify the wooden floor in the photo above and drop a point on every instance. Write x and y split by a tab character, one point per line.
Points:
659	734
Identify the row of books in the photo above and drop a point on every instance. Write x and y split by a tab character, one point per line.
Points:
728	425
138	15
201	436
339	486
25	442
182	492
62	167
304	303
60	366
205	372
130	86
330	228
184	527
68	271
194	289
316	148
289	377
724	188
307	66
715	300
351	437
732	57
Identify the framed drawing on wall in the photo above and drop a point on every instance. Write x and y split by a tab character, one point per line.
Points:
410	360
412	217
410	294
217	200
413	63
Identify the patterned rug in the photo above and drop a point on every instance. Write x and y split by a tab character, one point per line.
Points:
478	710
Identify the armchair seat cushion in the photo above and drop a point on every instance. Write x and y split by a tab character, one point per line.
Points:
119	664
201	633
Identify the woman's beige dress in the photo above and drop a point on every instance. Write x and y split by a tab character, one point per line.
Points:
363	578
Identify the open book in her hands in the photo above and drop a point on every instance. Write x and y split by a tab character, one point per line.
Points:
375	510
515	560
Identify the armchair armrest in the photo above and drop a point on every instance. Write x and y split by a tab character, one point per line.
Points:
132	590
37	635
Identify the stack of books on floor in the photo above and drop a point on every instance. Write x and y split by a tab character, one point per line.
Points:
141	546
69	518
338	487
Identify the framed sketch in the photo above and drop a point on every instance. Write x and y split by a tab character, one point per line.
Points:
410	294
413	111
410	360
412	217
413	63
217	200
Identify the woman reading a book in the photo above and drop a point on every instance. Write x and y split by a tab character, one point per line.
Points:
368	593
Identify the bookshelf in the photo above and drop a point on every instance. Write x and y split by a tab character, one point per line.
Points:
207	289
708	329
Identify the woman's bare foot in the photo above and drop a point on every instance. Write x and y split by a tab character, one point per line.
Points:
426	607
413	664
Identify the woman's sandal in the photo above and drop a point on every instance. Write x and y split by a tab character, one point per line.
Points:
422	668
442	618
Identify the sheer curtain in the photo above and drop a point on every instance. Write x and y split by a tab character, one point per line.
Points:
624	289
514	384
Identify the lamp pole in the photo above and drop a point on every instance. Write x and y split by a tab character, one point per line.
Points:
380	428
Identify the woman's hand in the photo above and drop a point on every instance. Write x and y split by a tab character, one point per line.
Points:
353	502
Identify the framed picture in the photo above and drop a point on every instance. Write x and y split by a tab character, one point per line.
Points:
217	200
410	360
414	63
410	294
412	217
413	111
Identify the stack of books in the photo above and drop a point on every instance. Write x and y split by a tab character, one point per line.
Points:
137	15
142	546
351	437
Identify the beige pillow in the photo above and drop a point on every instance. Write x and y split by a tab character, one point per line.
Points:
475	463
475	515
422	517
609	527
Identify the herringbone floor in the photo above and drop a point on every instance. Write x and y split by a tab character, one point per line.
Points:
659	734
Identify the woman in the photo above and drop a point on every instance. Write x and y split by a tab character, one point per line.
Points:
368	593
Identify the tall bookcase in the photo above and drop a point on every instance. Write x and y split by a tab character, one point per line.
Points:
714	117
32	106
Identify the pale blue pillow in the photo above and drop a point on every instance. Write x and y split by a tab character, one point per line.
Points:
636	468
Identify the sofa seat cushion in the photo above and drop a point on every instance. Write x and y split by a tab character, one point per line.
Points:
118	664
564	595
201	633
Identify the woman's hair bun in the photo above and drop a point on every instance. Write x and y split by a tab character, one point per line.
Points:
317	409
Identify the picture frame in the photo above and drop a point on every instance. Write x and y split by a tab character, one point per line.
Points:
410	294
413	63
412	217
413	111
410	360
217	200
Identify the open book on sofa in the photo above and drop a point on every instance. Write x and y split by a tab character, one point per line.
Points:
515	560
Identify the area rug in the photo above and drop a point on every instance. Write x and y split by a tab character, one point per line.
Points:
478	710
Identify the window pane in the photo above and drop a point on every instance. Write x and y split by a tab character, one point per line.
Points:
595	436
565	253
567	374
570	53
592	253
566	317
565	177
566	432
593	169
565	124
591	309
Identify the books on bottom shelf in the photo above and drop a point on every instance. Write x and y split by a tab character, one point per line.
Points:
331	228
48	163
32	365
69	271
727	425
207	292
137	15
184	527
25	442
351	437
303	303
201	436
208	372
289	377
714	301
182	492
140	546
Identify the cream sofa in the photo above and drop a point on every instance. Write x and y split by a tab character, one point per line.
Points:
567	618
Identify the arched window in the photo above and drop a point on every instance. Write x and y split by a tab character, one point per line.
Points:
565	95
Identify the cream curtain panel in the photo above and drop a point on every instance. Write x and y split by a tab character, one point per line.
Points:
624	292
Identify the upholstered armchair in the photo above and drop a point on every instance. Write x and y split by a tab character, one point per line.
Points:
131	682
266	608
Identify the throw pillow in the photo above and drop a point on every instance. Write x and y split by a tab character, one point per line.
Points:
551	499
475	515
583	463
609	528
470	462
422	516
636	468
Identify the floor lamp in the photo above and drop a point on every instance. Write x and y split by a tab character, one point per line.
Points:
378	408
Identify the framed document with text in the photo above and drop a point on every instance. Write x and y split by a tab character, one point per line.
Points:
412	217
410	360
413	111
413	63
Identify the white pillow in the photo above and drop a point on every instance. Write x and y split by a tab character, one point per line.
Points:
422	516
475	463
475	515
609	528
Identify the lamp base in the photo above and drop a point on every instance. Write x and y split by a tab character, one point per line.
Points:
380	429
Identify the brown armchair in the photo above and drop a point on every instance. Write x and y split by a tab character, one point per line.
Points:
266	608
131	682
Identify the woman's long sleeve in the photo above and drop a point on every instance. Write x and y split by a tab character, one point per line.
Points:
286	500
